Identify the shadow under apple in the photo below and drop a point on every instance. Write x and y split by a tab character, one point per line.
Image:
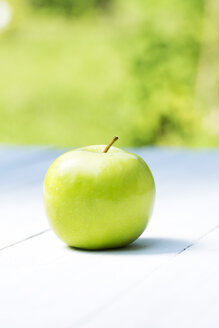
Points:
145	246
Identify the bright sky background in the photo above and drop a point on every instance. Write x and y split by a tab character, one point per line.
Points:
5	14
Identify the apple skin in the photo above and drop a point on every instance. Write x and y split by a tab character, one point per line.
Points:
97	200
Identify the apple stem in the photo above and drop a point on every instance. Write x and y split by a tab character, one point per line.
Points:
110	144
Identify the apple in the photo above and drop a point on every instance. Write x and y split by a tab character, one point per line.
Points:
99	197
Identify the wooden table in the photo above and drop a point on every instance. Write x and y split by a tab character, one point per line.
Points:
168	278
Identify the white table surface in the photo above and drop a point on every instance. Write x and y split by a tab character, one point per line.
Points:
168	278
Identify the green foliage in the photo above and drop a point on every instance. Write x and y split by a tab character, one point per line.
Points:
164	66
70	7
81	80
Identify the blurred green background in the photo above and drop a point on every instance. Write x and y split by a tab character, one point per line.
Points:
77	72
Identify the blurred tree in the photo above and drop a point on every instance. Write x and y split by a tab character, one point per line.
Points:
132	72
71	7
164	62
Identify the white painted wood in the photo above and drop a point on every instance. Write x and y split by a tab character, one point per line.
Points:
13	157
22	170
45	284
20	166
183	293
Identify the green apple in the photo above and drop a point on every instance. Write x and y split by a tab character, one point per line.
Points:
99	197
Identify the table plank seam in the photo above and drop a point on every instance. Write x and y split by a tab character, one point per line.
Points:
87	319
25	239
198	239
47	230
